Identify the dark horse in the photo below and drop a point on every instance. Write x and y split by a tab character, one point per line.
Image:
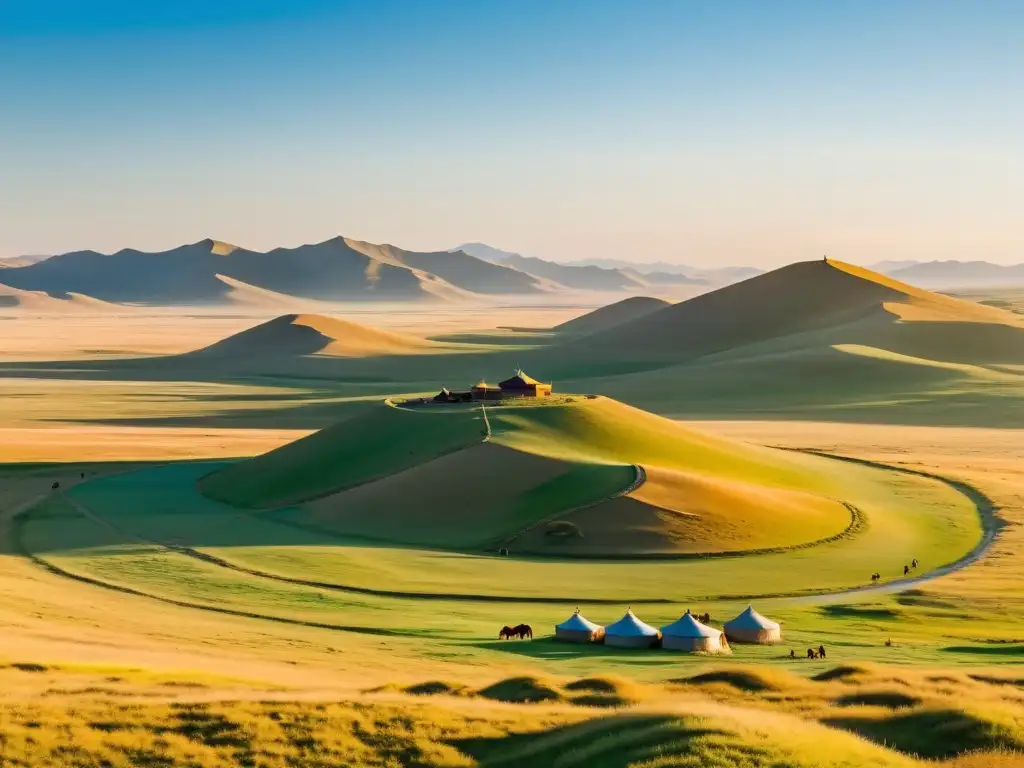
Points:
522	631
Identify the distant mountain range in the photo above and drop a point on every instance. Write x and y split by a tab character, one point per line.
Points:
213	272
344	269
598	274
957	274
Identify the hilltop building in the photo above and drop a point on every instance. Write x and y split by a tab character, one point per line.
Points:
520	385
484	391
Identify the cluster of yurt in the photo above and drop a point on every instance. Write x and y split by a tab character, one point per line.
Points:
685	634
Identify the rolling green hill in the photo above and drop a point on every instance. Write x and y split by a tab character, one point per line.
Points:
640	484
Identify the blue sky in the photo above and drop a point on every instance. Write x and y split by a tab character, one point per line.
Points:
699	132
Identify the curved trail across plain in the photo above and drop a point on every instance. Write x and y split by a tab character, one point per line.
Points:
986	509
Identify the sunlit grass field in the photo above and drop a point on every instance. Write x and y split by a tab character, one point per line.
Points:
158	627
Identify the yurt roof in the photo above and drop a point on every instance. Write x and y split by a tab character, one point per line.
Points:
751	619
630	626
482	384
688	626
578	623
521	379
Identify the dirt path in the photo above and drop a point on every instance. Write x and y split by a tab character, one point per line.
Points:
991	525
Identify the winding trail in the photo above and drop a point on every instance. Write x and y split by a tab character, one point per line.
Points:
13	518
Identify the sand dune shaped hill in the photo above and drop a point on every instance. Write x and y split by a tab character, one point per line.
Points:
16	300
838	302
612	315
242	294
308	334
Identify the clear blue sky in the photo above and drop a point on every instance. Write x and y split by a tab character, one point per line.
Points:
700	132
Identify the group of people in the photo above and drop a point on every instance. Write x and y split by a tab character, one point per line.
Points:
906	570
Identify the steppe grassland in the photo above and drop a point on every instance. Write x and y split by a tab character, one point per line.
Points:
49	620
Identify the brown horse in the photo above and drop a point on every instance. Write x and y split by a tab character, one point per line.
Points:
507	633
523	631
811	653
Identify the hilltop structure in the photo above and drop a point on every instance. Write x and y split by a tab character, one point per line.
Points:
520	385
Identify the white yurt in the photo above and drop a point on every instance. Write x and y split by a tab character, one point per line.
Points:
688	634
751	627
630	632
576	629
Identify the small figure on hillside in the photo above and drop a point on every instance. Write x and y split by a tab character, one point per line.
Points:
792	653
821	651
906	570
913	563
83	476
55	486
876	576
811	654
888	643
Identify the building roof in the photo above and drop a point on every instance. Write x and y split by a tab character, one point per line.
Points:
751	619
577	623
688	626
630	626
520	381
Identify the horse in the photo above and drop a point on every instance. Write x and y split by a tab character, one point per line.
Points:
705	619
906	569
523	631
507	633
792	654
913	563
876	576
811	653
821	651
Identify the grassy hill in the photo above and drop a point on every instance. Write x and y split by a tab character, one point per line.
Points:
426	476
824	339
805	298
377	442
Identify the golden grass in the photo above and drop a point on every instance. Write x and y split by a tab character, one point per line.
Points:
706	720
